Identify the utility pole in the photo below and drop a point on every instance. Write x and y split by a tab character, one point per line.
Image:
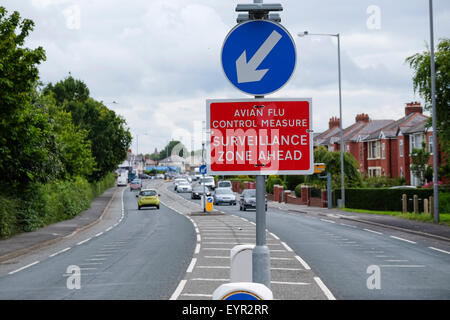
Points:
433	117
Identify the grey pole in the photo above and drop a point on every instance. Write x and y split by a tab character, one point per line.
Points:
329	196
203	179
261	253
340	125
433	116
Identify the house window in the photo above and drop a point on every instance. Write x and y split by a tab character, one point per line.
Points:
400	147
401	172
348	148
374	150
430	144
374	171
383	150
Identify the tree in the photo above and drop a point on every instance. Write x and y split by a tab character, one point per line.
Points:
28	152
332	160
419	162
420	63
107	133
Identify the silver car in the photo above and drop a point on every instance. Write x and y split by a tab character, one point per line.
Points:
224	195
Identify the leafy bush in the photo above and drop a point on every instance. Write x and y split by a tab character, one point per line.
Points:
48	203
444	202
298	191
7	217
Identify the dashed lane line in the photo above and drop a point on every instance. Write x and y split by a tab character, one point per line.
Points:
24	267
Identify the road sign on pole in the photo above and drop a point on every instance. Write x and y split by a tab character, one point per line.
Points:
260	137
258	57
202	169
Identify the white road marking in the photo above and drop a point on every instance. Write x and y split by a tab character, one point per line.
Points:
303	263
213	267
402	266
372	231
287	269
56	253
196	295
210	279
327	220
286	246
440	250
275	258
197	248
217	257
27	266
324	288
108	229
273	235
178	290
191	265
98	234
403	239
84	241
199	238
347	225
396	260
96	259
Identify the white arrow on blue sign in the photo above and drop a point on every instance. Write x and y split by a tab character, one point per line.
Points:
258	57
203	169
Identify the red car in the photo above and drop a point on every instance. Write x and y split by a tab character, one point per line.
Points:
136	184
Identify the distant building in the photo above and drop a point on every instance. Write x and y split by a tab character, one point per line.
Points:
383	147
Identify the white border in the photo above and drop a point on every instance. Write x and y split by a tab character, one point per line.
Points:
250	21
258	171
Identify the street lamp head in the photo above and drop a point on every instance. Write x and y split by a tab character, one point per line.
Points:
302	34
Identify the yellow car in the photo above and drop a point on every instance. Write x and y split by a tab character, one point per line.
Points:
148	198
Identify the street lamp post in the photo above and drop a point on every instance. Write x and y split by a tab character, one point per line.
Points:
305	33
433	117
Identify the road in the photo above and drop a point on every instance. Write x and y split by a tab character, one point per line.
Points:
129	256
172	254
343	254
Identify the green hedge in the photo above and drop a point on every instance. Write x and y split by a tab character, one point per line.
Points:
49	203
384	199
273	180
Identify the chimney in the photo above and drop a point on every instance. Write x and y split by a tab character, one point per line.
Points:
413	107
334	122
362	117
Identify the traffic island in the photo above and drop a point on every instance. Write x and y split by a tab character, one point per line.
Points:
204	214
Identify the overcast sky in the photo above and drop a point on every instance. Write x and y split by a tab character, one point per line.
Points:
160	59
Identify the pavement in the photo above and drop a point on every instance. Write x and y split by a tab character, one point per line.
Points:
427	229
23	243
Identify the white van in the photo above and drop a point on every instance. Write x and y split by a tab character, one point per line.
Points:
122	180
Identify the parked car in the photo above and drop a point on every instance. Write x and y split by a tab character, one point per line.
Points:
144	176
197	192
224	195
136	184
184	186
148	198
208	181
224	184
159	176
177	181
248	200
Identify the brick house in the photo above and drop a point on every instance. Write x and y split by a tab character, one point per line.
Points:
382	147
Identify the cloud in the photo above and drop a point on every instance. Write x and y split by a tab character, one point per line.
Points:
161	59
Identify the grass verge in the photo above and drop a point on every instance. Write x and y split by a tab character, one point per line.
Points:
444	218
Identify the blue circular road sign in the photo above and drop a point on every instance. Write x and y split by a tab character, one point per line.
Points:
258	57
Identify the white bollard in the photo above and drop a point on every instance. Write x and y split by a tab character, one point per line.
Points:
241	262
